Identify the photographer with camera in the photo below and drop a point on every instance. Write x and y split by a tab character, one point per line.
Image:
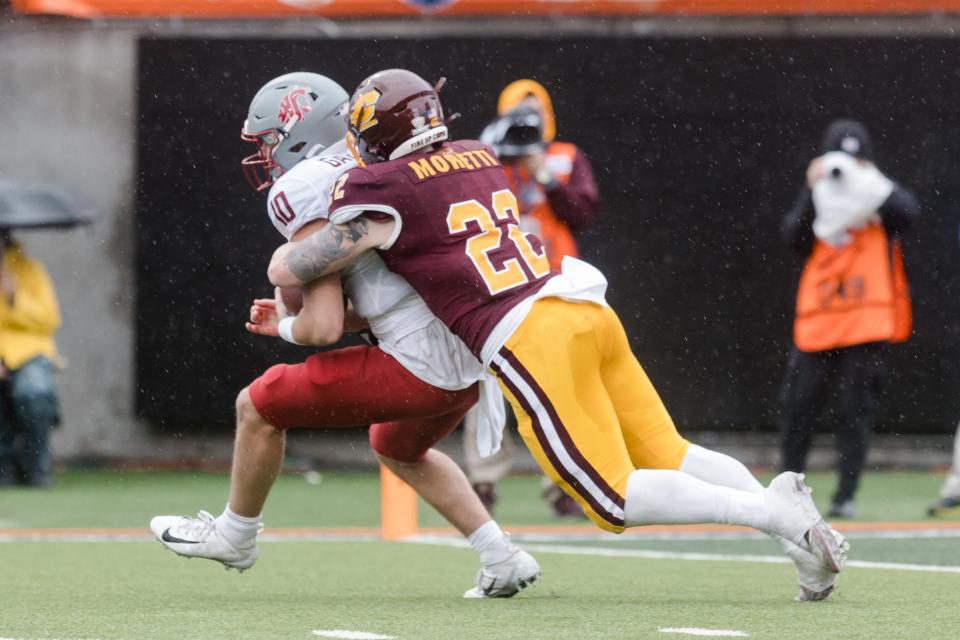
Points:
852	300
558	196
553	180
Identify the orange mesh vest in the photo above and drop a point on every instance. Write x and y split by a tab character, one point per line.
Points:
853	294
557	238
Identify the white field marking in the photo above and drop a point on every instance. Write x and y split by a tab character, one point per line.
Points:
902	566
698	557
75	537
697	631
110	537
604	536
349	635
319	537
599	536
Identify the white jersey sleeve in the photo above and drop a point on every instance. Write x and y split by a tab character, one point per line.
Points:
302	194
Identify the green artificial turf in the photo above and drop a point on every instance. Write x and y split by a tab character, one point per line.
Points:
141	591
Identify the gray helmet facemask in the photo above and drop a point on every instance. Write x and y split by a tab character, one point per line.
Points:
292	117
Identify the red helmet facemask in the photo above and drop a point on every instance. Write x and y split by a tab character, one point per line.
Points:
259	167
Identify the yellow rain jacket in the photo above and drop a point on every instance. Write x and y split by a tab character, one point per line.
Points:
28	324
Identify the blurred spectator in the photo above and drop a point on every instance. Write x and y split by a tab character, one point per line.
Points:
949	502
553	180
852	300
29	316
558	196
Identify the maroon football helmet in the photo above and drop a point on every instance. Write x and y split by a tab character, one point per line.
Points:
393	113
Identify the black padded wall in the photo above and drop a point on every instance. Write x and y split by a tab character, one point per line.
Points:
699	146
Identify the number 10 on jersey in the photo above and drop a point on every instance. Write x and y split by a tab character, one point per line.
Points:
482	244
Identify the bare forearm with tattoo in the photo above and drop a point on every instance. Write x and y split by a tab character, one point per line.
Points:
317	254
329	249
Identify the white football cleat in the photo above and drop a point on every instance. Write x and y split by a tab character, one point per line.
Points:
507	578
828	545
198	538
792	512
816	580
821	551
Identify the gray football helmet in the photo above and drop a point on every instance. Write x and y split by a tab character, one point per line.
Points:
292	117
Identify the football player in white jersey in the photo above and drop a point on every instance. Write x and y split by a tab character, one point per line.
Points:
413	388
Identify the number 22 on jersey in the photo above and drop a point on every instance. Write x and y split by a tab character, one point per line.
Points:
480	245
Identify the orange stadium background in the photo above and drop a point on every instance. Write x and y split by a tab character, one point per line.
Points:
395	8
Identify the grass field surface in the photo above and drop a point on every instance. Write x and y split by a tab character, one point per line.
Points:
903	582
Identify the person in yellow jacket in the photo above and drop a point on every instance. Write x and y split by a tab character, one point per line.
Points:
29	316
851	303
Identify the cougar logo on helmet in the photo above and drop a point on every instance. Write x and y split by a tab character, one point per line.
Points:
292	110
308	100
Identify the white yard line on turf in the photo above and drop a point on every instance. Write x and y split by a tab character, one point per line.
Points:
345	634
75	537
146	537
598	536
601	536
453	541
672	555
697	631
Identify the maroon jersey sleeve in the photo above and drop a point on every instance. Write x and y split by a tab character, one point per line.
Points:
457	241
360	191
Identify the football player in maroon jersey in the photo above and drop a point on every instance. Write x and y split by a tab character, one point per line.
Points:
441	215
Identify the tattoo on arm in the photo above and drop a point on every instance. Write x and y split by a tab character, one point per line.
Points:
312	257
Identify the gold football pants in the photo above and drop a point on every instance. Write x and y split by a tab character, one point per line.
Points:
584	406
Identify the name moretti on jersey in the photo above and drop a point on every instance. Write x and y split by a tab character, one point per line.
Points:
447	161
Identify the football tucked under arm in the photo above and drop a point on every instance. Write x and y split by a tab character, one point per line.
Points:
292	298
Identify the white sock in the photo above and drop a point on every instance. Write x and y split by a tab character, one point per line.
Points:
656	496
491	543
238	530
720	469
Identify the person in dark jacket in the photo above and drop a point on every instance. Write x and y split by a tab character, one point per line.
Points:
852	300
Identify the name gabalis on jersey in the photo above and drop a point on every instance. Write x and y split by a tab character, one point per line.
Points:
449	161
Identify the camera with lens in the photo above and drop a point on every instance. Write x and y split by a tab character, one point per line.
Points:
517	133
